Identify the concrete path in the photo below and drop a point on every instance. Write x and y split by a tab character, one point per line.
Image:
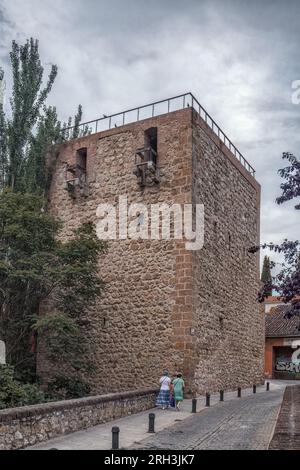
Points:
235	417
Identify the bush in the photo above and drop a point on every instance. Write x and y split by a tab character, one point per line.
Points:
14	393
63	388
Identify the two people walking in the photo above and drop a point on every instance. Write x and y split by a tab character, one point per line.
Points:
170	389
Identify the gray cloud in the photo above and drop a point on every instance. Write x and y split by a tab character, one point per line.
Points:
239	58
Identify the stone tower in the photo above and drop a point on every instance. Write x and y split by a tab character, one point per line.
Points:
165	306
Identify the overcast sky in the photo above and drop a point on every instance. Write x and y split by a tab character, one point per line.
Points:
239	58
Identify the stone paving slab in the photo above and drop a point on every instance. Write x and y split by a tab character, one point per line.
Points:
133	428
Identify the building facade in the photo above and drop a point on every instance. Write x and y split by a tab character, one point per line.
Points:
166	306
282	349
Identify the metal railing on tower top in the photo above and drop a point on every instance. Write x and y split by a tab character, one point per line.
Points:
151	110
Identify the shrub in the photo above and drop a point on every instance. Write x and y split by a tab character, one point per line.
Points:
14	393
64	388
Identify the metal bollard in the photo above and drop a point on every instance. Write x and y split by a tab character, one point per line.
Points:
207	400
239	392
115	437
151	422
268	386
194	405
221	395
254	388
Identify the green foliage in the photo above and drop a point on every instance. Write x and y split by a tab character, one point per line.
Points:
63	388
13	393
37	171
28	98
291	176
33	127
3	138
62	336
37	175
78	130
287	281
266	276
77	121
35	267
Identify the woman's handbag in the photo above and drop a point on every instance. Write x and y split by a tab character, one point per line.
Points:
172	400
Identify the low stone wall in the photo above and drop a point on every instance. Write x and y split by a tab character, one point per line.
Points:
27	425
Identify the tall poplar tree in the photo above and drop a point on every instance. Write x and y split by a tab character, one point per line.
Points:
3	135
266	276
33	126
27	101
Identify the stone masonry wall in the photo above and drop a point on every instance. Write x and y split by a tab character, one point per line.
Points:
164	306
137	328
28	425
228	321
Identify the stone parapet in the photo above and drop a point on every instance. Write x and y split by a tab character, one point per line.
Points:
28	425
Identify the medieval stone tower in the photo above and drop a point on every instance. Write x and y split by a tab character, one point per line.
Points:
165	306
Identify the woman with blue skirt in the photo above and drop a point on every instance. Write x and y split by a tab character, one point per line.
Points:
163	398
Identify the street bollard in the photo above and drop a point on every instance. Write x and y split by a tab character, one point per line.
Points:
194	405
254	388
207	400
239	392
268	386
221	395
115	437
151	422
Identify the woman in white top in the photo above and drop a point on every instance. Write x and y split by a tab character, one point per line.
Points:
163	398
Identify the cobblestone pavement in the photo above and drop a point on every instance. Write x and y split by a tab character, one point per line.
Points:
244	423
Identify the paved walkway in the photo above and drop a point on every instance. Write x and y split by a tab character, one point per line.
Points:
231	423
246	423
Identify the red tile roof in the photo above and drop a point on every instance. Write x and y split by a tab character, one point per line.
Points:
278	326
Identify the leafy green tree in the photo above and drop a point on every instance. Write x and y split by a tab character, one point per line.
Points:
37	173
287	281
36	267
266	276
